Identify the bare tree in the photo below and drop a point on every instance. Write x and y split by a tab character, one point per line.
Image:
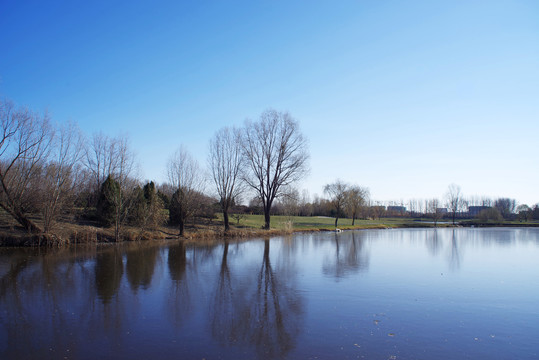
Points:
103	157
356	198
454	200
337	193
434	210
61	173
289	201
25	140
505	206
111	161
276	156
225	163
186	178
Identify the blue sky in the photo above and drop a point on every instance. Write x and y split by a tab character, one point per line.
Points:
403	97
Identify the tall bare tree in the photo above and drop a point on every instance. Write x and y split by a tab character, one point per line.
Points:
225	161
454	200
25	139
356	198
104	156
112	157
337	193
276	156
434	211
61	173
186	178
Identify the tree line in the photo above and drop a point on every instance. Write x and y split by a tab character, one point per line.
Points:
49	171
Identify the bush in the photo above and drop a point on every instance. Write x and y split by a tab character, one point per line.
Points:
490	215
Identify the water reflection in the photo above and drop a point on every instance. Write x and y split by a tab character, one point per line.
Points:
272	316
454	261
225	324
274	298
109	268
264	312
433	242
179	302
140	266
350	255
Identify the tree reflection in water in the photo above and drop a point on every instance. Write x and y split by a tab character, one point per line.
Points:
109	268
433	242
225	324
140	266
350	255
275	312
454	261
179	301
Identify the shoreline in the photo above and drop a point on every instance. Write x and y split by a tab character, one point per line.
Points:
87	235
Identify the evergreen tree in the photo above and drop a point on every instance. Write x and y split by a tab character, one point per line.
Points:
106	203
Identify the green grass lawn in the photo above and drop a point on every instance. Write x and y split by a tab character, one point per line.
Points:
320	223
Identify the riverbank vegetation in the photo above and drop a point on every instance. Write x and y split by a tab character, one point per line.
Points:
60	186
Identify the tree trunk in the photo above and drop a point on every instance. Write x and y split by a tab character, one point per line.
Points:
225	254
182	225
336	220
26	223
267	218
225	218
353	219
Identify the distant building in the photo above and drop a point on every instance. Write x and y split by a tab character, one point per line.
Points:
442	210
397	209
473	211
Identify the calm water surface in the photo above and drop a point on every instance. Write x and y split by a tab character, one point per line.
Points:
389	294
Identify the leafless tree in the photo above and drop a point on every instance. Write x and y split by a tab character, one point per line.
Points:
106	156
337	193
124	174
505	206
289	201
25	139
454	200
61	173
112	157
356	198
276	156
186	178
434	210
225	162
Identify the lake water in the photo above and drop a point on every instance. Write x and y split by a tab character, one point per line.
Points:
374	294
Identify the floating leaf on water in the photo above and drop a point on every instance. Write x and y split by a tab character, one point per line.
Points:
391	334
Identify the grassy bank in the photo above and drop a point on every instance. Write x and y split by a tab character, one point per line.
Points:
71	232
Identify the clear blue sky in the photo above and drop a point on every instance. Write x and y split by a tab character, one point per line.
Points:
404	97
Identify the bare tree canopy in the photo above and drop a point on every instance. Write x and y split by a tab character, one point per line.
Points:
454	200
186	178
62	173
276	156
356	198
434	210
109	156
505	206
111	161
25	141
225	163
337	193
